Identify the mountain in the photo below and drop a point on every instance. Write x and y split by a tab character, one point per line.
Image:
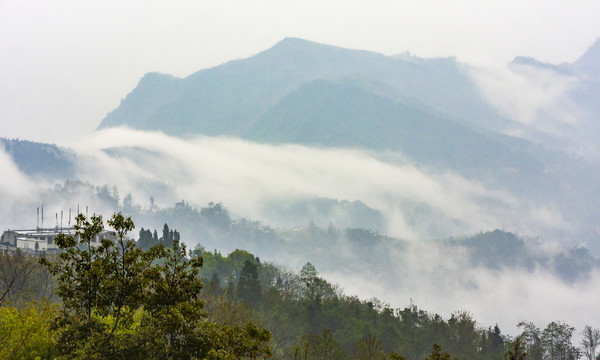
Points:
568	121
346	114
307	93
589	62
40	159
229	99
429	109
428	112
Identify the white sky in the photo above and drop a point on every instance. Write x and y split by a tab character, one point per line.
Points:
65	64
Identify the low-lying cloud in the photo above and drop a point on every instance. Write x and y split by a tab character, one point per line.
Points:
550	105
418	205
247	176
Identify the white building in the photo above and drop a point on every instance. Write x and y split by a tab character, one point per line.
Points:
40	239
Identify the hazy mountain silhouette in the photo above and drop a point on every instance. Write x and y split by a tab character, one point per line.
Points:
346	114
40	159
229	99
307	93
578	133
589	62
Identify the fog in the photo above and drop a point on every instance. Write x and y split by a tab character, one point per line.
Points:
544	104
250	178
419	206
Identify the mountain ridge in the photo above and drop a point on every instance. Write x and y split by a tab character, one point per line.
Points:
227	99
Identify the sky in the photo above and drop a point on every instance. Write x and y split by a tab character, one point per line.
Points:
65	64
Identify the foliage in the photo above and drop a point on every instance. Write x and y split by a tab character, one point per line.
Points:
120	301
309	317
556	339
437	354
26	333
317	347
23	279
248	284
123	301
147	238
590	338
516	351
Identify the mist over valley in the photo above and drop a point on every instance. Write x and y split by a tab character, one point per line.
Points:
408	179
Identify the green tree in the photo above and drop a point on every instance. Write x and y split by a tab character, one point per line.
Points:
516	352
80	268
531	338
145	239
437	354
370	348
26	333
167	238
249	288
318	347
23	279
217	216
463	335
313	292
173	304
556	340
122	302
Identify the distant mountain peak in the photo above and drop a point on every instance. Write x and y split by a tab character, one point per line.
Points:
589	62
294	42
293	45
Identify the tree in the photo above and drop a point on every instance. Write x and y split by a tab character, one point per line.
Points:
496	339
145	239
23	279
556	340
312	282
464	336
437	354
167	238
120	301
589	342
531	340
80	267
516	351
216	215
370	348
248	285
318	347
100	286
313	291
26	333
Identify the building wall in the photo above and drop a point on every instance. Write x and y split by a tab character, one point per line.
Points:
29	244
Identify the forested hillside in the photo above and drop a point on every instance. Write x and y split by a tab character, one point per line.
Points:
201	296
39	159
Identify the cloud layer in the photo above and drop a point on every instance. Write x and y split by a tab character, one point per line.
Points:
418	206
417	203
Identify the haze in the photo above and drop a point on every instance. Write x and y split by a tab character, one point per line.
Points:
65	64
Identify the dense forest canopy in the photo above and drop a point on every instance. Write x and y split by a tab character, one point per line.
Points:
154	299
